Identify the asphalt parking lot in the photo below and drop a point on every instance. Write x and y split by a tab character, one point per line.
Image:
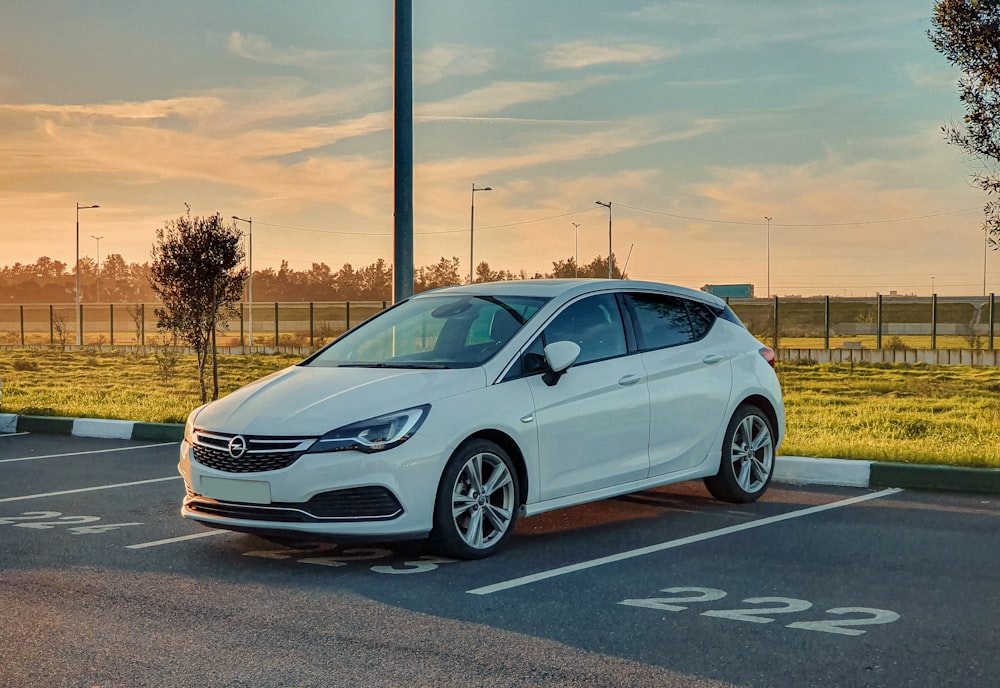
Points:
103	584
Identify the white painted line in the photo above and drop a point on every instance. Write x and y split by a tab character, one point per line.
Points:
87	489
84	453
169	541
13	434
652	549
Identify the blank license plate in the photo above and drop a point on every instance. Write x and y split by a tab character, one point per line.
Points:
227	490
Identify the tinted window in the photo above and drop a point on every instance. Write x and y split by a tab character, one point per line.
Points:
664	321
702	319
594	323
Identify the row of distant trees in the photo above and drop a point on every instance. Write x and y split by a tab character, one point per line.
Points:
52	281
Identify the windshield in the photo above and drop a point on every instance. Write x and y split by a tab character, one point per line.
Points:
446	331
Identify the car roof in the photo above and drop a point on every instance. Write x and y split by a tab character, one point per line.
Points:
551	288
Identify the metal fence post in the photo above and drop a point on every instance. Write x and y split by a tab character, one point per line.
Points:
826	323
277	341
142	325
347	318
992	319
111	312
933	321
52	325
878	321
22	325
312	342
242	340
774	343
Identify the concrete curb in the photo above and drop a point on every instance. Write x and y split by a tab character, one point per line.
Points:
789	469
92	427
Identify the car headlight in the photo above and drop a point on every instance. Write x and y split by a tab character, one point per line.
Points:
189	425
375	434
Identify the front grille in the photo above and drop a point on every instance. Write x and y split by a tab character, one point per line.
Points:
262	453
372	503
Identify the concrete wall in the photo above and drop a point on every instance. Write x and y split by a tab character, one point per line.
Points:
928	356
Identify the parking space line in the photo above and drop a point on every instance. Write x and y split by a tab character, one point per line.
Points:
652	549
83	453
87	489
169	541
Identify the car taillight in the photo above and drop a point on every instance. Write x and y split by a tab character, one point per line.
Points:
768	354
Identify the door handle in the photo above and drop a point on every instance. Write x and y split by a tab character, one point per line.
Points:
629	380
712	359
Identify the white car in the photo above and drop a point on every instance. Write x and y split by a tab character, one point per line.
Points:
456	411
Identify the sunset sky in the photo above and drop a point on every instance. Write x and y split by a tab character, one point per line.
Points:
696	119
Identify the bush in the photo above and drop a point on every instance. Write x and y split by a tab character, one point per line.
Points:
896	344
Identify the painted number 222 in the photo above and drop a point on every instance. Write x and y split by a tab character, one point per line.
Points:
764	609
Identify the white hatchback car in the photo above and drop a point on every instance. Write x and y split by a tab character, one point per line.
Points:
457	410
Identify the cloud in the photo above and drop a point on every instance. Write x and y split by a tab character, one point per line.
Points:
579	54
190	108
503	94
442	61
260	49
833	26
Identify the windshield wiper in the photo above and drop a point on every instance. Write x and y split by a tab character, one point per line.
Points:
407	366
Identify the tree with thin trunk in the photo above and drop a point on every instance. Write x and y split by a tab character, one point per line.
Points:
197	275
967	32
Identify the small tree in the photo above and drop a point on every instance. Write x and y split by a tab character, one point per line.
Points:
197	276
967	32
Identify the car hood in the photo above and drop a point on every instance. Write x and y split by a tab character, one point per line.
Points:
312	400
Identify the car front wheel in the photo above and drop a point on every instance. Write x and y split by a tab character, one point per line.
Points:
477	501
747	458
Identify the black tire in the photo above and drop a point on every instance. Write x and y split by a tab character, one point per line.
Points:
477	502
747	458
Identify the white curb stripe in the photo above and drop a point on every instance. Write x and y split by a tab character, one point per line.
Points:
106	429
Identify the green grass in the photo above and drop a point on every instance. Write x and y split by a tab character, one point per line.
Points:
914	413
911	413
118	385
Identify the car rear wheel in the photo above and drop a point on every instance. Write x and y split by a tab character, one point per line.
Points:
747	458
477	501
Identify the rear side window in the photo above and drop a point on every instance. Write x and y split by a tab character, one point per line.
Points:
663	320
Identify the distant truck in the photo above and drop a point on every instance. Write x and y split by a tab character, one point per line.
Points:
730	291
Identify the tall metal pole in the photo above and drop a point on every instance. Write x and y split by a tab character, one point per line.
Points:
472	230
768	255
249	221
98	265
610	253
403	151
79	333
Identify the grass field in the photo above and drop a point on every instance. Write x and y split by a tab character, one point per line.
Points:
914	413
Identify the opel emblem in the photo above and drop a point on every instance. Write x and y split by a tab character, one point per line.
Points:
237	447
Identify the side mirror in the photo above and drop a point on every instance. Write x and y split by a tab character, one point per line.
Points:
559	356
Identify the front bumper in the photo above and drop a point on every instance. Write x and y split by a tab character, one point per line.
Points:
384	494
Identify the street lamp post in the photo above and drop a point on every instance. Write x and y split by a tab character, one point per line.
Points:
98	265
79	319
608	206
576	254
472	229
249	222
768	255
